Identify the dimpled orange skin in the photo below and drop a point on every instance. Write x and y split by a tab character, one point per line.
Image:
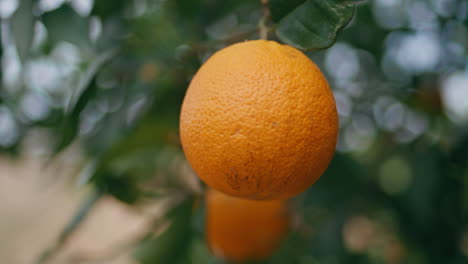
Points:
259	121
240	230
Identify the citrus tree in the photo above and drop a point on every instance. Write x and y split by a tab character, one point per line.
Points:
271	89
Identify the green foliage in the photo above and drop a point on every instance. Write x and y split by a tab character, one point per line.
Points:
59	23
280	9
22	28
77	98
172	245
105	9
120	103
310	24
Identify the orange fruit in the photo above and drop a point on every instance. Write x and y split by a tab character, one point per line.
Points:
259	121
240	230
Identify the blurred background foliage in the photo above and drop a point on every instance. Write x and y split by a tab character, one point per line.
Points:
109	77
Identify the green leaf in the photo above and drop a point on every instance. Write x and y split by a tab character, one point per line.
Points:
173	244
106	9
22	28
122	187
313	24
86	78
68	129
64	24
77	99
280	8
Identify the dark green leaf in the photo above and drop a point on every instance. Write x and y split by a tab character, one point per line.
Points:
70	124
313	24
64	24
104	9
22	28
77	100
172	245
122	187
280	8
87	77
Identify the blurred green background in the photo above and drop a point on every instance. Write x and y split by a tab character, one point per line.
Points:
96	87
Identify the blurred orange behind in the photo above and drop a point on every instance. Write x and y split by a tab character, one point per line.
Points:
240	230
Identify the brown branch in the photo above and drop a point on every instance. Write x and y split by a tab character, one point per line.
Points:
263	23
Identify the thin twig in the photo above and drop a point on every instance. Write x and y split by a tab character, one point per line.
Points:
263	23
124	247
118	250
236	37
71	227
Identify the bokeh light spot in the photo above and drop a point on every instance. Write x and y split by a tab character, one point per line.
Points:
455	97
395	176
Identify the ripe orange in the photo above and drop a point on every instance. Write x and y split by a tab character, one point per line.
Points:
241	230
259	121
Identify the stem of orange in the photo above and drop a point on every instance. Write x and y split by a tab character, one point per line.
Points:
262	24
